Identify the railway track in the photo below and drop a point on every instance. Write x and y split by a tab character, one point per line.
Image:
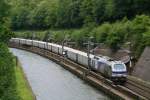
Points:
139	86
133	89
132	92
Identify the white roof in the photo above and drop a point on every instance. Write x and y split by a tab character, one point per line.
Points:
71	49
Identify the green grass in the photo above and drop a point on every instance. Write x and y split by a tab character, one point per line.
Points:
23	88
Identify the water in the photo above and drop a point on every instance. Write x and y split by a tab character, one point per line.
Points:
49	81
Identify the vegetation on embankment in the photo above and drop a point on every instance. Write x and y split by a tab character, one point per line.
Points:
7	75
22	86
114	35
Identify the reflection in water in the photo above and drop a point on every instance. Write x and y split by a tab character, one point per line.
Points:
50	81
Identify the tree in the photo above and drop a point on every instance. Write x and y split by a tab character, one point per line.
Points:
98	10
86	11
141	6
68	14
109	10
123	8
5	34
102	32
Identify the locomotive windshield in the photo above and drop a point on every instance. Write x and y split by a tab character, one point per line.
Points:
118	66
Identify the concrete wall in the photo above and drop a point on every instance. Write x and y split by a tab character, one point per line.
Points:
142	68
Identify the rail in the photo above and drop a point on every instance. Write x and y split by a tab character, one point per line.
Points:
139	86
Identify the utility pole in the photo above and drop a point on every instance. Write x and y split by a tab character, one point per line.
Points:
51	40
47	43
89	43
130	56
63	43
46	47
65	40
63	47
88	54
32	39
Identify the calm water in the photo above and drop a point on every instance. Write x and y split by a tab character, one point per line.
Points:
50	81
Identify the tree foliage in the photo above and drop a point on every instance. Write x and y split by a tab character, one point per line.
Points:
5	34
43	14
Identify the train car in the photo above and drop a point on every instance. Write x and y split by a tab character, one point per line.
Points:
29	42
71	53
55	48
16	40
22	41
49	47
35	43
42	44
115	70
77	56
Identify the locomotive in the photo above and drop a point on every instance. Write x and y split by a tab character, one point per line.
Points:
114	70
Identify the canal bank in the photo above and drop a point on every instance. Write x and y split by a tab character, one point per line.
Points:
23	87
50	81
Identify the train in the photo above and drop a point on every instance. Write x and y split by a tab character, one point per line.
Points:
111	69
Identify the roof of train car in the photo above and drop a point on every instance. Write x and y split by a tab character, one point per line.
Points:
71	49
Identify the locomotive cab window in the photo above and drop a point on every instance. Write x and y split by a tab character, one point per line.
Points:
118	66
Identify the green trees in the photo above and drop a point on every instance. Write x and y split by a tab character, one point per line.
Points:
68	14
37	14
4	31
123	8
141	6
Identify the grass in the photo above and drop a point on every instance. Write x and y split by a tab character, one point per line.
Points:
23	88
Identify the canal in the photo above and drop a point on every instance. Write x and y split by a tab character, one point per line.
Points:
50	81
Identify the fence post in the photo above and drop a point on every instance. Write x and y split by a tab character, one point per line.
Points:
16	59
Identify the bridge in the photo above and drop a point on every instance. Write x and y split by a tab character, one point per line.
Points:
93	78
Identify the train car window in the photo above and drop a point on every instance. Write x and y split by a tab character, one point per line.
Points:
118	66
